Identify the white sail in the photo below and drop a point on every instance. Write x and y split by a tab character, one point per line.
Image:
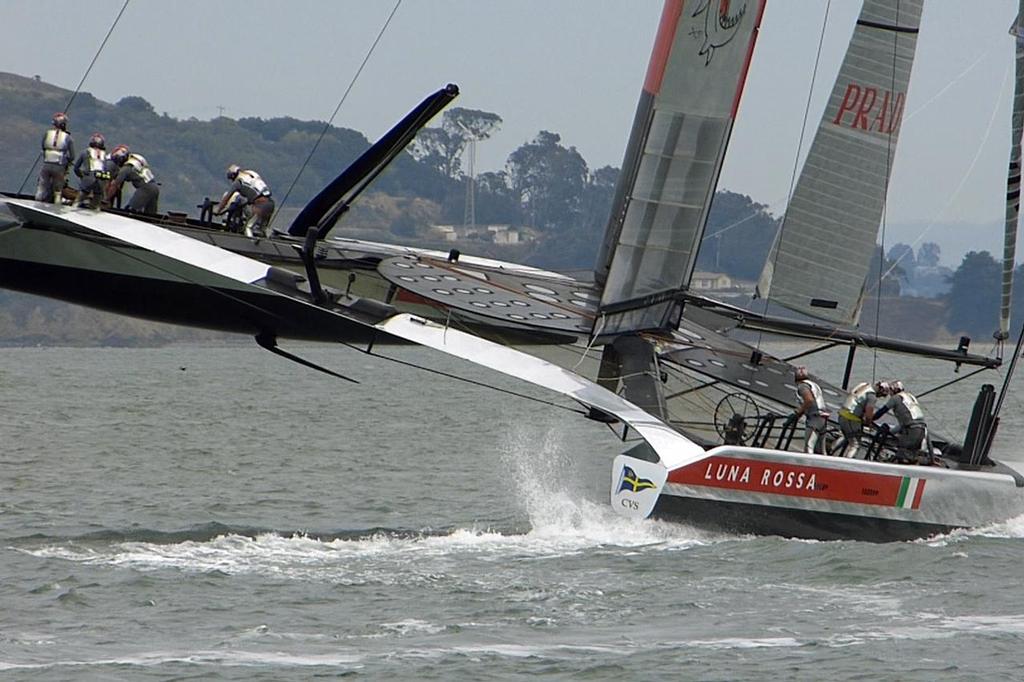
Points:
673	159
1013	177
821	257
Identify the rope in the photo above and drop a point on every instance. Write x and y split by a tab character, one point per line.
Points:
473	382
796	161
885	201
344	96
78	88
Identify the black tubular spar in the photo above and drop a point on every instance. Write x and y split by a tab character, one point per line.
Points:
330	204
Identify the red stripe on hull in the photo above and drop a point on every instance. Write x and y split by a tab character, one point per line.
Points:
663	45
793	480
919	494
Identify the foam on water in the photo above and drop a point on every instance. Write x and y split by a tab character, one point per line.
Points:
563	519
549	486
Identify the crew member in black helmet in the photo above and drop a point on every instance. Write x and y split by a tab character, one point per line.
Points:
58	151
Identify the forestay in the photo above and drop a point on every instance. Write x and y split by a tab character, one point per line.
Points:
673	158
821	257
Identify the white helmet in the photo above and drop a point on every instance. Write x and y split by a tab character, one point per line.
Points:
233	171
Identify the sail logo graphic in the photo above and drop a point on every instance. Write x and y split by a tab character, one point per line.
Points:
630	482
864	108
720	25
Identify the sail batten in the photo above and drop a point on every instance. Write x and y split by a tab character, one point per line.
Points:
675	151
831	225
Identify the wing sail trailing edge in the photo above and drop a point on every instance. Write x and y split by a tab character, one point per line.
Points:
673	158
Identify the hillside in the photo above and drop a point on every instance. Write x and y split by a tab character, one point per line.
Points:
189	157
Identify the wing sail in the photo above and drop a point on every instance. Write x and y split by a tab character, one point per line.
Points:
673	158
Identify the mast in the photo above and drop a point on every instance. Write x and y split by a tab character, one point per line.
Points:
1013	177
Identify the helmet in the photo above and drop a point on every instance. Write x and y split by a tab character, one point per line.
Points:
883	388
800	373
97	140
896	386
60	120
120	154
233	171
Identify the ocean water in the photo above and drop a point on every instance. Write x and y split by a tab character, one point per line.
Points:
215	512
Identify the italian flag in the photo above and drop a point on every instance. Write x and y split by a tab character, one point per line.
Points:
911	490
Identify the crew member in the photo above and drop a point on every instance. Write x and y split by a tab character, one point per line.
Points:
134	169
94	170
58	151
812	408
857	412
910	429
249	193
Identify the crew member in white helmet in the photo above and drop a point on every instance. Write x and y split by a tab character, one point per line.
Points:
250	193
911	429
857	412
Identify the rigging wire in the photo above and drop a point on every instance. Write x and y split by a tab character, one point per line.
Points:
964	176
467	380
777	247
78	87
344	96
885	195
367	351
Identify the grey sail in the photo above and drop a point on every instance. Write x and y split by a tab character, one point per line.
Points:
673	158
821	256
1013	177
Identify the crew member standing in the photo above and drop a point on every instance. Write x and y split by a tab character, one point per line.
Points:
134	169
251	193
857	412
812	408
94	170
58	151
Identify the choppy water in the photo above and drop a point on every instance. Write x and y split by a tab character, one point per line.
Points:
216	513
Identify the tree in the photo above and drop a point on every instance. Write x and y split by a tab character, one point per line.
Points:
928	255
903	255
891	274
442	147
548	180
137	104
738	236
974	297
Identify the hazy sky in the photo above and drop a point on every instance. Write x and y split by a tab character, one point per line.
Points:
570	66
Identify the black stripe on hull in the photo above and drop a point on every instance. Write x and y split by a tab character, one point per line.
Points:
182	303
757	519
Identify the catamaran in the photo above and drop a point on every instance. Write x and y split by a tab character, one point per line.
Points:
704	413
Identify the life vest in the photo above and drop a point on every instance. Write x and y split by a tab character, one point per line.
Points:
138	162
253	184
96	162
56	145
816	395
906	409
859	397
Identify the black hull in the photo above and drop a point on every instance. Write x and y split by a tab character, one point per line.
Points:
756	519
182	303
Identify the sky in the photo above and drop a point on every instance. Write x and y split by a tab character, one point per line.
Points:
573	67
